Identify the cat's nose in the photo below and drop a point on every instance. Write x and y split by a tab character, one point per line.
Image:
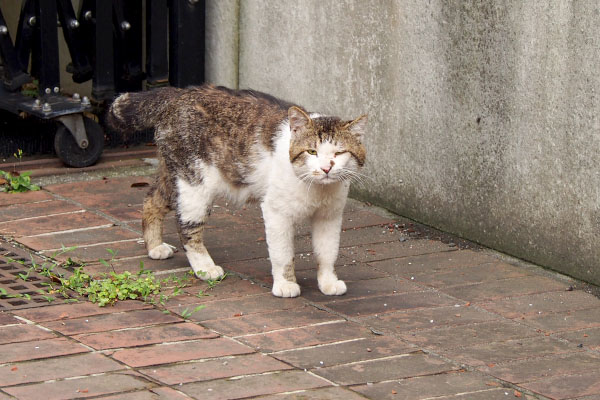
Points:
327	169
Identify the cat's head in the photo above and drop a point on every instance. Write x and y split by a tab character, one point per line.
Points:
326	150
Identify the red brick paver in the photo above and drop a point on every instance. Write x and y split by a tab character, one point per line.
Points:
105	322
385	369
145	335
88	386
305	336
36	349
23	333
76	310
181	351
56	368
422	387
253	385
215	369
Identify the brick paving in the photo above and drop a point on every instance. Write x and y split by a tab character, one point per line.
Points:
422	319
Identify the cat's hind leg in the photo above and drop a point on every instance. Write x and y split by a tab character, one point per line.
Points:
156	205
193	205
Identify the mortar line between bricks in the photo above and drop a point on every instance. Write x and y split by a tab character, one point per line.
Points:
371	360
27	321
172	271
451	371
267	373
71	230
63	356
337	321
395	258
115	221
127	329
310	372
550	312
194	361
556	356
103	244
182	394
529	275
465	393
317	346
72	378
22	204
127	258
141	370
42	216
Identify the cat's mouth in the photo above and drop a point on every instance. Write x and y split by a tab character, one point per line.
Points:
327	179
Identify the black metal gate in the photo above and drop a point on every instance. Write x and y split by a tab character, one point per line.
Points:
105	39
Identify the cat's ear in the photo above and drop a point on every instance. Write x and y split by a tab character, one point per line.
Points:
358	126
299	120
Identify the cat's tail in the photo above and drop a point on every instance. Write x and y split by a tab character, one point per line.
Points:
131	112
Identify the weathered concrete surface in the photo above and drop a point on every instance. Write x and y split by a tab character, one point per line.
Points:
483	115
221	63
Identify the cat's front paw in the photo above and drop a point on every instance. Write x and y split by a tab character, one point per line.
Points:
161	252
286	289
333	287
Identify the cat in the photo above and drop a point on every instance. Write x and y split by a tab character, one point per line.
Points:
244	145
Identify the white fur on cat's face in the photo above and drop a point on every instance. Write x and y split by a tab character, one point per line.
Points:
325	150
326	164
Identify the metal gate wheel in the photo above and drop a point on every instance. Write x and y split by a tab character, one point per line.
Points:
69	151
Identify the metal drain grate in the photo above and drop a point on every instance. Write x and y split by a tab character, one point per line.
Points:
21	293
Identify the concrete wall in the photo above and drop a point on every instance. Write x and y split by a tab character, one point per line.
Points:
484	115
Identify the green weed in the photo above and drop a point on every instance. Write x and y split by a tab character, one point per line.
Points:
186	313
109	287
16	182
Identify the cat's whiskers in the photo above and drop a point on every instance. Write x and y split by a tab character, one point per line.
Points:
308	179
353	176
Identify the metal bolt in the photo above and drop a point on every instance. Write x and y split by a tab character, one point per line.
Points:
87	15
46	108
47	90
76	97
193	2
3	30
37	104
73	24
84	144
32	21
85	101
125	26
56	89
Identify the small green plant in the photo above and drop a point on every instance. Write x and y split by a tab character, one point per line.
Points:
186	313
16	182
213	282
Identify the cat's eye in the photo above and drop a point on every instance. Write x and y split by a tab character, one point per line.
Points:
339	153
312	152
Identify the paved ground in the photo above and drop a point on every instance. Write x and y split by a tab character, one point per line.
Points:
422	319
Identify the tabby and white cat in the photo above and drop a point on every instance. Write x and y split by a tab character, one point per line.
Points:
246	146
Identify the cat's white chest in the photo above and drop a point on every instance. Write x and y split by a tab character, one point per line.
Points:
300	201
